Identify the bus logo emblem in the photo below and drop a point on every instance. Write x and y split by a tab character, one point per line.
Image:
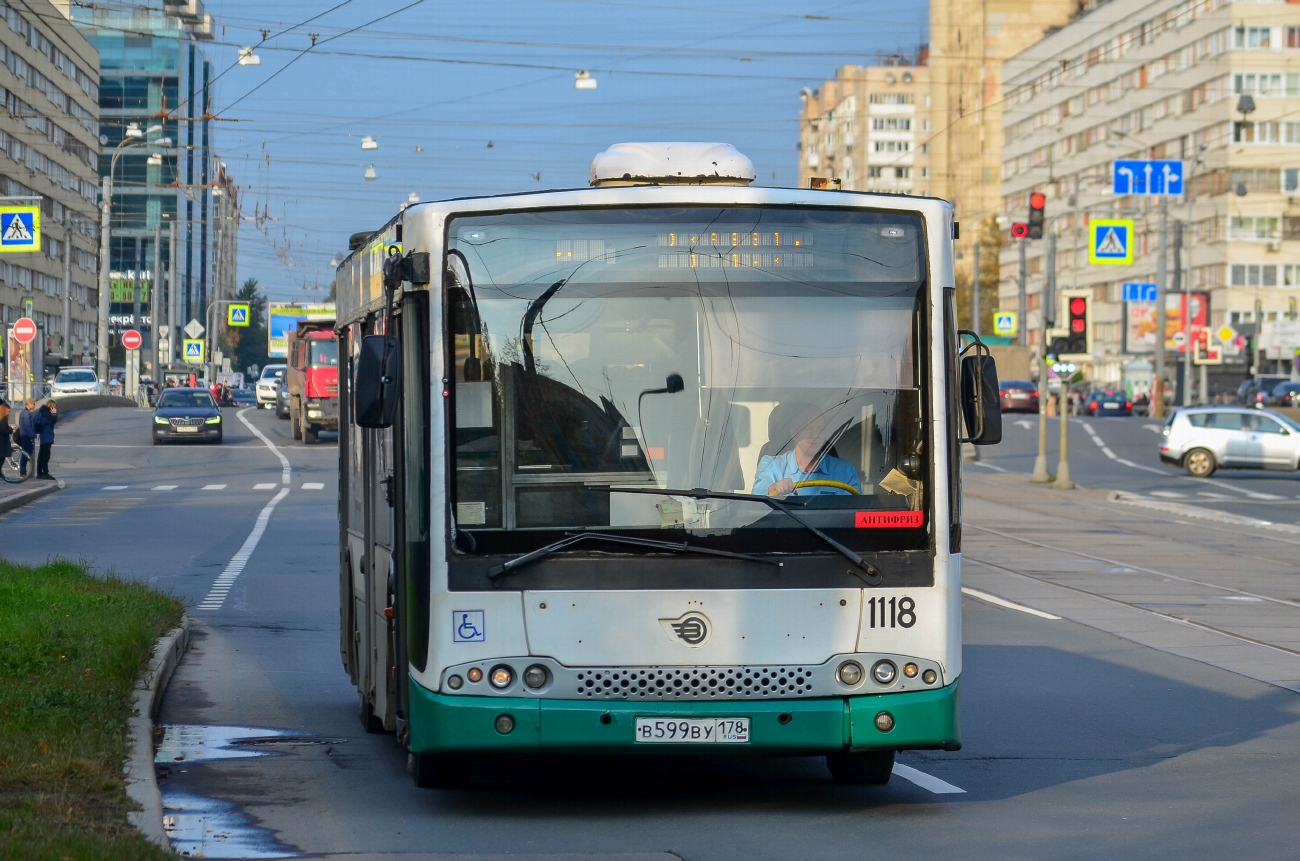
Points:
692	629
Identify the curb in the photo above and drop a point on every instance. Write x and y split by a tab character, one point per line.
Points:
23	497
141	781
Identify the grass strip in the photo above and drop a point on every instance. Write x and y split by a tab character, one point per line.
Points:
71	648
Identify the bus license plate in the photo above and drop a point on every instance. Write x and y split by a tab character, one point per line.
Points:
692	730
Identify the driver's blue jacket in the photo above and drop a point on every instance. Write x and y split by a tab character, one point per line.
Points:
773	468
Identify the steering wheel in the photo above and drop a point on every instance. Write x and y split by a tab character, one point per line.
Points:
823	482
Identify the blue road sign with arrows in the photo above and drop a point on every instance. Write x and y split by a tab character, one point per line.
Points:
1140	291
1150	177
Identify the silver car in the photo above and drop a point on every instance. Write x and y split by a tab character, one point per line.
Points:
267	384
76	381
1203	439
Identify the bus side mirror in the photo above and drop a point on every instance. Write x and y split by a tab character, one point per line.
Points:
980	401
377	381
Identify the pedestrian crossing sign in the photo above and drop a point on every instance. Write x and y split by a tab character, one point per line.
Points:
1111	241
194	352
238	315
20	228
1004	323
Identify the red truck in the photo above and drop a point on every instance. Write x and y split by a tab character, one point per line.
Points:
312	379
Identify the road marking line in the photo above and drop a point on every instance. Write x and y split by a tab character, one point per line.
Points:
285	469
1170	494
988	466
166	487
1209	495
1002	602
1252	494
266	486
313	485
926	781
214	487
220	588
116	487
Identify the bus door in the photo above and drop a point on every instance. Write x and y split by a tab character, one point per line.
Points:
379	493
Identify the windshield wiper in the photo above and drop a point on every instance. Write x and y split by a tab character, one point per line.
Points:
574	538
866	572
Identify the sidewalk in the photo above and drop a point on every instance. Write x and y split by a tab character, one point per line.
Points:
14	495
1215	589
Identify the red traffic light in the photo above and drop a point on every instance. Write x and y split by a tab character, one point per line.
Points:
1020	230
1078	305
1037	200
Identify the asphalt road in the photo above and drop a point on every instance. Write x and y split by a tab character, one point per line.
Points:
1079	742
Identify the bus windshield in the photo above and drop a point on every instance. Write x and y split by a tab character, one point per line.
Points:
733	350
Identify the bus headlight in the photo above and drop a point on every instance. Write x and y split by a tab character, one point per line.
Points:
536	676
884	721
501	677
910	670
884	672
849	673
504	724
929	677
475	674
455	682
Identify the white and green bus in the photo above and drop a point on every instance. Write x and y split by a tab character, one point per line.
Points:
667	464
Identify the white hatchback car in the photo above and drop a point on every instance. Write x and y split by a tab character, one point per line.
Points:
76	381
1203	439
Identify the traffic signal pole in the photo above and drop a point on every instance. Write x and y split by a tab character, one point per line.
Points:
1040	475
1023	301
1157	409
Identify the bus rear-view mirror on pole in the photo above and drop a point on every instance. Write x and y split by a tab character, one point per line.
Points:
377	381
980	403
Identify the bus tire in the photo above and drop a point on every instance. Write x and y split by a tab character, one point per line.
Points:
865	768
433	771
369	720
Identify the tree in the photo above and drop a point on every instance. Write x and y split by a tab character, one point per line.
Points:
247	345
989	238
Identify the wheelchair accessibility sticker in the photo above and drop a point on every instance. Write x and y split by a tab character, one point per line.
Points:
467	626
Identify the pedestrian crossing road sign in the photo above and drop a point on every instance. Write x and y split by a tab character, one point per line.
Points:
238	315
20	228
1004	323
1111	241
193	352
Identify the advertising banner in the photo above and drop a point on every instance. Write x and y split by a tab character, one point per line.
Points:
1140	322
283	316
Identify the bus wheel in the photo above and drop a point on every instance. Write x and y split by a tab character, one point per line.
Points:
369	720
867	768
431	771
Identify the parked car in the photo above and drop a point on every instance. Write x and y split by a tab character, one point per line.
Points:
1203	439
1108	403
266	385
1019	395
243	397
75	381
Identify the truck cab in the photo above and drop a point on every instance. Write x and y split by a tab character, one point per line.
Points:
312	379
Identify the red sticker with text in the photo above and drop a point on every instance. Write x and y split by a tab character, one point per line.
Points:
888	519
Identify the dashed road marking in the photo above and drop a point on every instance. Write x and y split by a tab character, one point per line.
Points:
267	486
166	487
1169	494
1003	602
313	485
116	487
214	487
221	586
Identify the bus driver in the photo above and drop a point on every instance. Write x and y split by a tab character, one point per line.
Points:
808	460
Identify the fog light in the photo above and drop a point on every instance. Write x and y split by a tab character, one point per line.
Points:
505	723
535	676
884	672
501	677
910	670
455	682
929	677
884	721
313	414
849	673
474	674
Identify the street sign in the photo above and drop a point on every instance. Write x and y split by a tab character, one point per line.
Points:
1111	241
1148	177
1226	334
193	328
131	339
237	315
1180	339
164	331
24	330
20	228
193	351
1004	323
1140	291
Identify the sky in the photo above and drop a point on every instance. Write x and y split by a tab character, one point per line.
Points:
470	98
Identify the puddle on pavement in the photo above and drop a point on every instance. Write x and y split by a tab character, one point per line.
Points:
201	827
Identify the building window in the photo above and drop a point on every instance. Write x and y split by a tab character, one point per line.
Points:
1293	37
902	173
1252	37
1254	227
1253	274
874	172
891	124
891	146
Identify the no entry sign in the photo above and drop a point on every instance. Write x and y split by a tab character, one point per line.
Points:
24	330
131	339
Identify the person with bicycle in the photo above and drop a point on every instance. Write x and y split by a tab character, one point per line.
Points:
6	432
808	459
27	434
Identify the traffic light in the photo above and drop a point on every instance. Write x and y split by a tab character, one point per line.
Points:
1078	340
1037	203
1020	230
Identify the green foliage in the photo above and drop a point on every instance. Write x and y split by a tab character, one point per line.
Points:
986	234
71	648
247	345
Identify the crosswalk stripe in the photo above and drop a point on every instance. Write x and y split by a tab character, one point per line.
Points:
313	485
264	487
214	487
166	487
116	487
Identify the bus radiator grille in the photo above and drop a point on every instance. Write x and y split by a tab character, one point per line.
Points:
666	683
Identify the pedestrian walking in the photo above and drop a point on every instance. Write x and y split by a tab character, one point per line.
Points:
46	418
27	434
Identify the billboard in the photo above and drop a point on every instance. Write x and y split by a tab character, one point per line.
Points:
283	316
1140	322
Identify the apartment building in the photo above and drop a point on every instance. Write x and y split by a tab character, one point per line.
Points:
867	127
1211	82
49	145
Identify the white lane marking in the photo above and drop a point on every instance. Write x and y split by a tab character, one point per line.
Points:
166	487
1251	494
1105	449
313	485
988	466
116	487
1155	428
1003	602
1209	495
285	469
1024	423
926	781
1170	494
221	586
214	487
270	485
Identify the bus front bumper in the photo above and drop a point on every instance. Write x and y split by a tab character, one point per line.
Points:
467	724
